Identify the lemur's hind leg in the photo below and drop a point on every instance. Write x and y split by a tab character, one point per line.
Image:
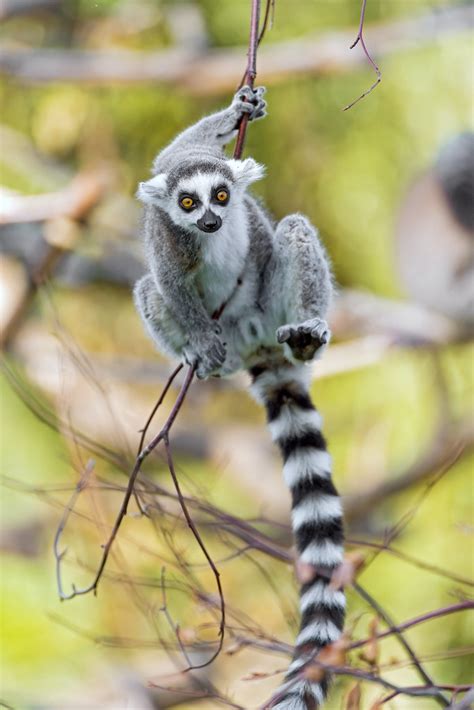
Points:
159	322
303	280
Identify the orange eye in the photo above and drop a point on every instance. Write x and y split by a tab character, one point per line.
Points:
187	203
222	195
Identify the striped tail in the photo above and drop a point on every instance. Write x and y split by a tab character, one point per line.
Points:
295	426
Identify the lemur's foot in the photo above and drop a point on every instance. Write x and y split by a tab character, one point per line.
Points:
306	338
206	354
251	102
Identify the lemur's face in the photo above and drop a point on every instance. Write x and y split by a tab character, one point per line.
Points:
203	201
201	198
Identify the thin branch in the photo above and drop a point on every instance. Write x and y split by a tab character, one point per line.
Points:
411	691
420	564
59	554
465	605
157	406
250	74
466	703
268	19
201	544
444	702
162	435
360	38
174	627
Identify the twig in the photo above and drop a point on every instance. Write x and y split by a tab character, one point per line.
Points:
250	73
360	38
411	691
466	605
201	544
268	19
409	559
444	702
174	627
59	554
466	702
136	469
157	406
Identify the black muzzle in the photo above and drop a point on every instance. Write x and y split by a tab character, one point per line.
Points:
209	222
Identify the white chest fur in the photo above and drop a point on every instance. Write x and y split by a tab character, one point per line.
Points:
223	258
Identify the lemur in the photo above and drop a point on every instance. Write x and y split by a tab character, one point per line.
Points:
228	289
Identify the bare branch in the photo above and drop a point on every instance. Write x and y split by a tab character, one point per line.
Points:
59	554
360	38
440	698
161	436
435	614
250	73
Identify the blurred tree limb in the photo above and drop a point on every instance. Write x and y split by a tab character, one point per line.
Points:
219	70
60	212
12	8
360	313
73	201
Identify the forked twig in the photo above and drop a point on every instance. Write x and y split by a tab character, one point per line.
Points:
59	554
157	406
128	494
360	38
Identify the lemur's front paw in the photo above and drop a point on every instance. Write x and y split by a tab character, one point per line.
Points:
251	102
207	355
306	338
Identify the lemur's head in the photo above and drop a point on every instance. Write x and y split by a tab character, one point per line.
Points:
201	195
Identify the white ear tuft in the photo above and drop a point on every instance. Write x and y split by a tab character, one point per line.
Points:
152	191
246	171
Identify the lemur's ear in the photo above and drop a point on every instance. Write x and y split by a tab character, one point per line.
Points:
152	191
246	171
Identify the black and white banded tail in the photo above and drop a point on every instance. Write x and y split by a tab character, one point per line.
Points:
295	426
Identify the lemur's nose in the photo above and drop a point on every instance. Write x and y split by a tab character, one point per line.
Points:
209	222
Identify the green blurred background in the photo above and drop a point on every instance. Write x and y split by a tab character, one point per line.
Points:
80	351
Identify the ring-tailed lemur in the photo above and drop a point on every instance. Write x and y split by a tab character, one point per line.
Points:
213	253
